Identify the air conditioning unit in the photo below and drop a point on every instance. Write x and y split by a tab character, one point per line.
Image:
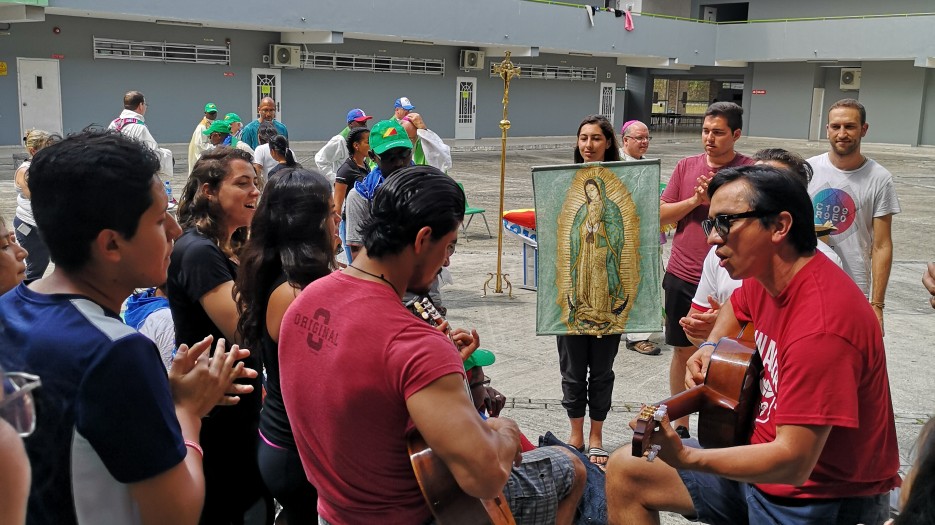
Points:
285	56
850	78
471	59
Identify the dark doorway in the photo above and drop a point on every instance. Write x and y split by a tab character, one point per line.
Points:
724	12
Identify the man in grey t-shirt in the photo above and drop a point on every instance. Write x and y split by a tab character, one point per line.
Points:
859	198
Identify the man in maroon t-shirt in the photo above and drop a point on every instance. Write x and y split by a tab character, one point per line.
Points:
356	386
823	447
685	202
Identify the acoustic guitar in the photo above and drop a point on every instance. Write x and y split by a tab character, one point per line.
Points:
448	502
726	402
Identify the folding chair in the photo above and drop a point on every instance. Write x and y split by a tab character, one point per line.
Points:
470	212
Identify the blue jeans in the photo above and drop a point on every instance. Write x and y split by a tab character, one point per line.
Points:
28	237
719	500
342	232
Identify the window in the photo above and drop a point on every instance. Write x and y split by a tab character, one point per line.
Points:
115	49
548	72
373	63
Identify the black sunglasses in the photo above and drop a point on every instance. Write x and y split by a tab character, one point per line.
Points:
721	223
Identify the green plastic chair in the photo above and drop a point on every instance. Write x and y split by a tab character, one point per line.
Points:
470	212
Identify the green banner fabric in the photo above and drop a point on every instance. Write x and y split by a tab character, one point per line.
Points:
597	227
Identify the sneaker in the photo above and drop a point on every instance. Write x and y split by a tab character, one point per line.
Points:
682	431
645	347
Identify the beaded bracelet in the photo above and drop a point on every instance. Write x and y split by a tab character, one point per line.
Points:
877	304
196	447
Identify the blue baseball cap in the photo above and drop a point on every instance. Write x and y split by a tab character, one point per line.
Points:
357	115
403	102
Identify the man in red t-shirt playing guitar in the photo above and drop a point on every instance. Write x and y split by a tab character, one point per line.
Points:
823	447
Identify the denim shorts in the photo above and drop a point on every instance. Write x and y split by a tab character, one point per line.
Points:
719	500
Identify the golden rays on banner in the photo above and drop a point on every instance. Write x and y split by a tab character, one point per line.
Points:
598	263
597	228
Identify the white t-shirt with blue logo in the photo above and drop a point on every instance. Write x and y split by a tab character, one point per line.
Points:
851	200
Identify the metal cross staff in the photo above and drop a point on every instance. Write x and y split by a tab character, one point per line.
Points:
507	71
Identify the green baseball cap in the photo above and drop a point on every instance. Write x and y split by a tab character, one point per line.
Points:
480	357
388	134
232	117
211	107
219	126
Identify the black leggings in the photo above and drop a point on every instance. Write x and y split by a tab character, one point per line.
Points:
282	472
577	354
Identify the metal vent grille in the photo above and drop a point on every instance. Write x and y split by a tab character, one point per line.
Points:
373	63
547	72
115	49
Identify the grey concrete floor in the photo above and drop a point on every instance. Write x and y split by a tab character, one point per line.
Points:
527	366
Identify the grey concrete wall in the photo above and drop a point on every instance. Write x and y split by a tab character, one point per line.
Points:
92	90
772	9
830	79
557	28
681	8
927	136
892	93
314	102
784	110
867	39
479	22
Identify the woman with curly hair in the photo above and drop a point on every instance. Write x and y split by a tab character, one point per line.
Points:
215	209
291	244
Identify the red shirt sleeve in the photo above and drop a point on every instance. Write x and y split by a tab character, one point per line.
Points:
674	186
418	356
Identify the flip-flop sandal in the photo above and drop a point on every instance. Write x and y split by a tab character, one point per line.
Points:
598	452
645	347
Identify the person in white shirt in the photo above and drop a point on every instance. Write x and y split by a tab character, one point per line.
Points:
858	196
330	157
262	158
131	123
428	147
635	139
716	285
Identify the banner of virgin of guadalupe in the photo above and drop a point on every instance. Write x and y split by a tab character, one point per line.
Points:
597	226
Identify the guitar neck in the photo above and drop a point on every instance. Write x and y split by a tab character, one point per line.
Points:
685	403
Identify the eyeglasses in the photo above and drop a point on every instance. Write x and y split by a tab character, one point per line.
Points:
647	138
485	382
17	406
721	223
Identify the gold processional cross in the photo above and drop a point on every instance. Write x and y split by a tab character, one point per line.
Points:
507	71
